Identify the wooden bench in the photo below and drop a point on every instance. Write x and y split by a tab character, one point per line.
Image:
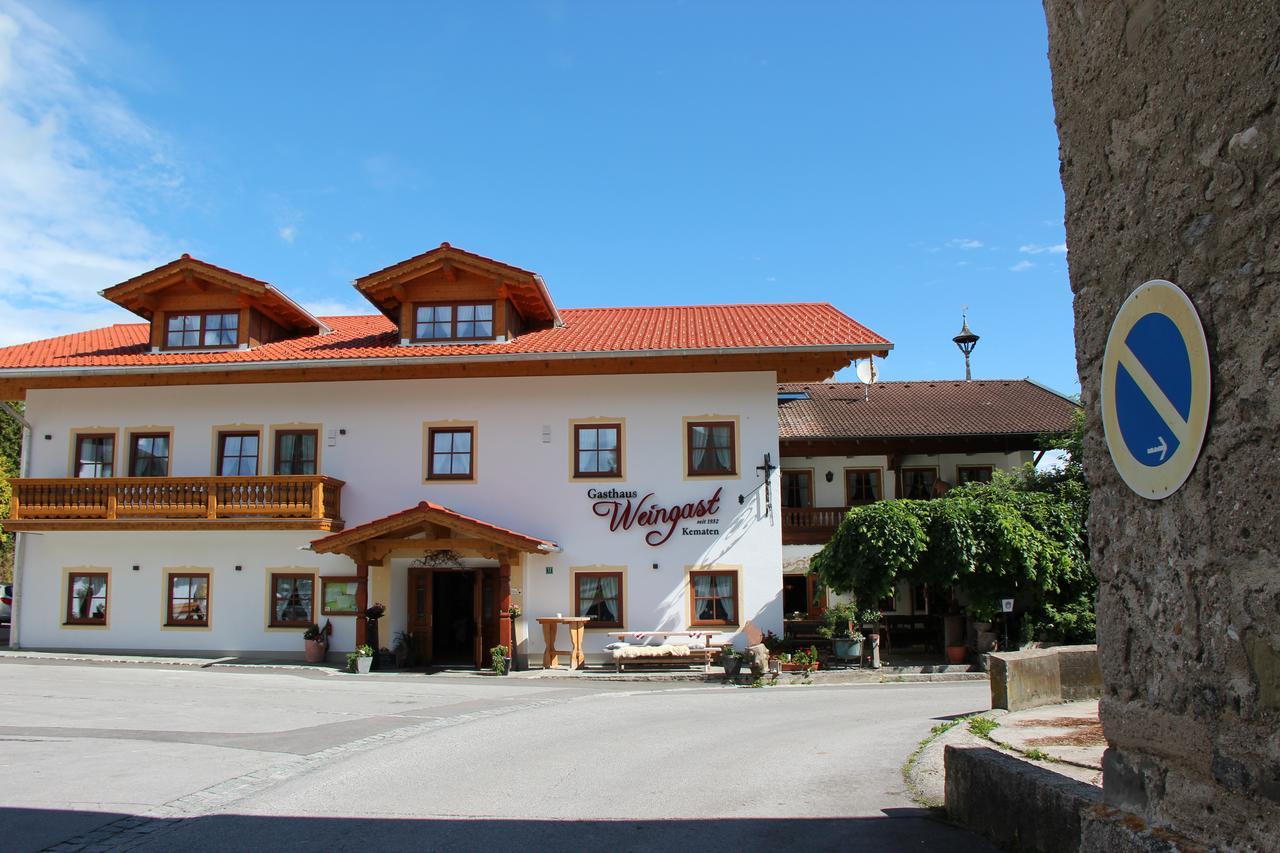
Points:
704	655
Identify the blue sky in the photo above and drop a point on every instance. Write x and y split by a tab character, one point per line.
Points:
898	160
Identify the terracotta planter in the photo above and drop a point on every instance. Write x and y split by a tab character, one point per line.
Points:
956	654
799	667
316	650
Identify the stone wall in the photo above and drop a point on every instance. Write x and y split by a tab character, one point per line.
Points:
1170	158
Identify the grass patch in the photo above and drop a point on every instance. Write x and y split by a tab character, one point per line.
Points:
982	726
1039	755
934	733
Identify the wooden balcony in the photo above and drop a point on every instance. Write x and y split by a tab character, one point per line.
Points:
811	525
176	503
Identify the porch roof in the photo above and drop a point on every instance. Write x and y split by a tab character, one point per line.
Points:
464	533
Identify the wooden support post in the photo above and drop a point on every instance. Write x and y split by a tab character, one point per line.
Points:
504	606
111	500
317	499
362	598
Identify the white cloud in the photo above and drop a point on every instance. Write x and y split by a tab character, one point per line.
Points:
288	233
1038	248
355	236
75	165
964	243
1021	266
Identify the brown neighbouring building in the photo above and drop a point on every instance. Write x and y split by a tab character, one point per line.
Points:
845	443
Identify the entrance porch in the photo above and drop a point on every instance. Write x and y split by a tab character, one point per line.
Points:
445	577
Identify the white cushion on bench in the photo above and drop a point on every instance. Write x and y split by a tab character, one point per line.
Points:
666	650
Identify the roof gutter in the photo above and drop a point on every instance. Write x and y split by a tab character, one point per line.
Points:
322	364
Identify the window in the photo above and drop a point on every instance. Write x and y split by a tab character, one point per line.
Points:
238	454
917	483
862	486
715	598
206	329
95	455
148	454
597	450
450	453
598	596
711	450
293	600
973	474
87	599
338	596
797	489
296	451
188	600
472	321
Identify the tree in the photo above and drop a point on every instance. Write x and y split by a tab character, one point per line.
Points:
10	456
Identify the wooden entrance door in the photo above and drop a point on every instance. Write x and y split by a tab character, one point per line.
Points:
420	614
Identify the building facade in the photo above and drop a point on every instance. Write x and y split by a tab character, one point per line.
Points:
233	470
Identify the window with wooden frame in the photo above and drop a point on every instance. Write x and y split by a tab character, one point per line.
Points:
597	450
238	454
711	448
973	474
293	600
296	451
598	596
95	455
338	596
202	330
457	321
714	598
917	483
450	453
797	489
148	454
862	486
188	600
87	598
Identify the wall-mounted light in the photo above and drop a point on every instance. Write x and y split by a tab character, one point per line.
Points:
239	568
655	566
137	568
342	432
830	476
48	438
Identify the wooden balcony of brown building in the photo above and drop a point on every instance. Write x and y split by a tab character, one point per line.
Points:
811	525
280	502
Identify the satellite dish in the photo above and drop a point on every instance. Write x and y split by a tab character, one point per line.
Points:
867	372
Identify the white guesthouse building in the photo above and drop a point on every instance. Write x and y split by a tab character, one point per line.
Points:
232	469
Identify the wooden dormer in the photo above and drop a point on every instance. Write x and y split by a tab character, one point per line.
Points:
448	295
196	306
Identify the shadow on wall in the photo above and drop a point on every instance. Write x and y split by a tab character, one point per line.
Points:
897	829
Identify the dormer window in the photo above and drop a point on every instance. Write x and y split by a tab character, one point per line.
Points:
453	322
203	330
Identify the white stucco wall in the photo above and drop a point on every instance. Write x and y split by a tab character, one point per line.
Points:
522	482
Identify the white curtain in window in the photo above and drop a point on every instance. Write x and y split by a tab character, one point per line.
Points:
609	599
724	592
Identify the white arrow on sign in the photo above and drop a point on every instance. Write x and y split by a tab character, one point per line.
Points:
1162	448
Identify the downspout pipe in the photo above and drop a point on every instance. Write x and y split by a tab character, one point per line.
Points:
24	468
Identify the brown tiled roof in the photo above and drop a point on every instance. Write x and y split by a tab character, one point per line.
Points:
927	408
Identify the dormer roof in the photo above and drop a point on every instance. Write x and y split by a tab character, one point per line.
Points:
140	294
525	289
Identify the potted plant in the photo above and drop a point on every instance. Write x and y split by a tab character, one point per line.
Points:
500	660
846	641
372	614
731	659
801	660
403	649
316	643
361	659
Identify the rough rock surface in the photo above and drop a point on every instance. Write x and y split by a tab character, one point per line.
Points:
1170	157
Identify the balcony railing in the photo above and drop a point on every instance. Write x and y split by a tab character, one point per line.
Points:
285	501
811	525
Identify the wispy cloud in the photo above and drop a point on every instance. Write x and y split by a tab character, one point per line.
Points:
76	164
964	243
1021	266
288	233
1039	248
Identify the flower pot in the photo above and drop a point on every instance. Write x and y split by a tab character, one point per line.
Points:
316	650
956	654
846	648
506	666
732	666
363	665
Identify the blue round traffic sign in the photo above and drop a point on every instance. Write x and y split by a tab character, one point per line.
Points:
1155	389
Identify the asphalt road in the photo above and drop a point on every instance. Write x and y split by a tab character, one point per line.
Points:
162	759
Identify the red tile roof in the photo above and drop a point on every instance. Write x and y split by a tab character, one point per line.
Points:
585	331
936	408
